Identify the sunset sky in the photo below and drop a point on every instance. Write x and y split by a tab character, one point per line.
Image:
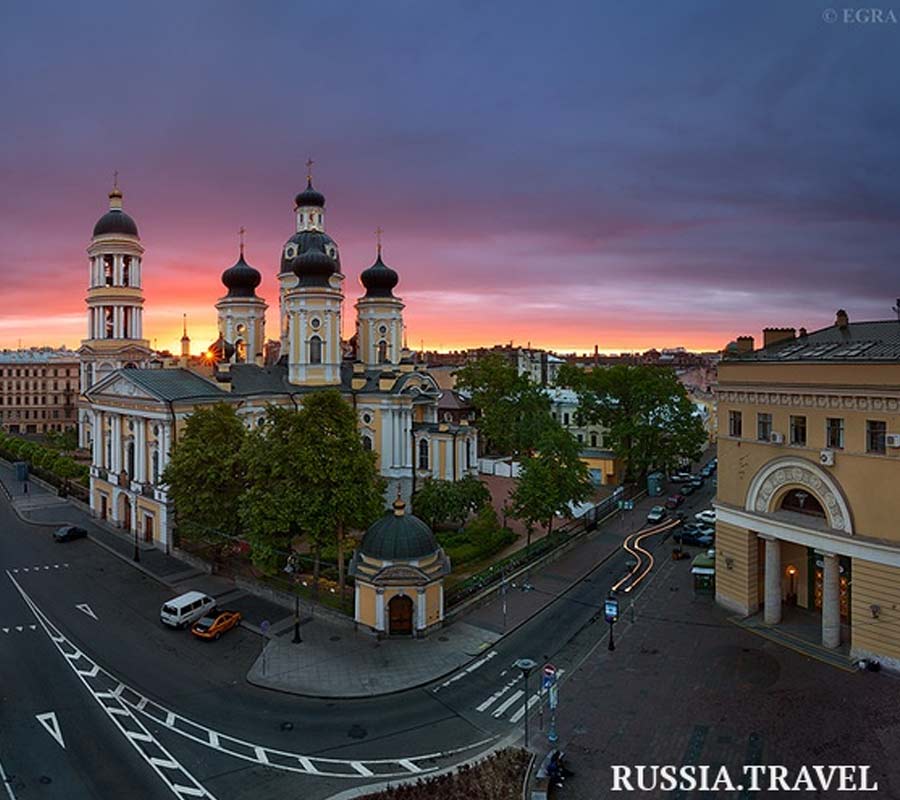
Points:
563	173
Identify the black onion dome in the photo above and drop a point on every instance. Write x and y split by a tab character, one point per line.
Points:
310	197
221	350
314	267
305	240
398	536
241	280
379	279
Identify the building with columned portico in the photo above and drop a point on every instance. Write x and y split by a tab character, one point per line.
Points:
809	482
135	404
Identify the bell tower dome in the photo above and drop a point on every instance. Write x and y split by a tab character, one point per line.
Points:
115	300
379	315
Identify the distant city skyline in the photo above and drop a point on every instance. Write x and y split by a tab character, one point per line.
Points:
594	177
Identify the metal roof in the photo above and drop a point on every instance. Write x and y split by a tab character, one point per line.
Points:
857	341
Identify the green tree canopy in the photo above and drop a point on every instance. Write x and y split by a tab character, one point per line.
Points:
439	502
650	419
206	473
550	479
513	411
308	473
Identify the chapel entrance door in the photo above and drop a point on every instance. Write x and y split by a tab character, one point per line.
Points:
400	611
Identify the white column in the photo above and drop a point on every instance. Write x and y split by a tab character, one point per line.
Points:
166	446
420	609
97	433
772	611
136	277
386	459
140	451
116	462
379	609
831	602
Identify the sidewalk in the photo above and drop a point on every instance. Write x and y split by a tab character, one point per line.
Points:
333	660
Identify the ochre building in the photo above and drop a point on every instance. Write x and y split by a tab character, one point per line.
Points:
809	483
135	404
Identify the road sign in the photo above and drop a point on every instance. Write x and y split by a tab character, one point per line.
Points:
611	609
549	677
554	696
629	505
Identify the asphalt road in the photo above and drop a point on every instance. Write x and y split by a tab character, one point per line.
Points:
184	702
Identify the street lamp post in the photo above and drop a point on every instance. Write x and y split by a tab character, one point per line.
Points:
296	639
137	549
526	665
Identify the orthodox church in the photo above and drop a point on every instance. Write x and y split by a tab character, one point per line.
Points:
134	403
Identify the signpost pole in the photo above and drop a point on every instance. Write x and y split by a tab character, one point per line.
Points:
611	613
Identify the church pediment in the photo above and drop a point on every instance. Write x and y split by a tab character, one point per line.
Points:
404	574
118	386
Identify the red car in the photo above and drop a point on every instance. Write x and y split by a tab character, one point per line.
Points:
675	500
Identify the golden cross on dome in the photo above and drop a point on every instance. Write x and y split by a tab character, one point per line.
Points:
378	231
242	231
309	166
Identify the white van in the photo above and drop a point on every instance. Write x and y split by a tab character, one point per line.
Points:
181	611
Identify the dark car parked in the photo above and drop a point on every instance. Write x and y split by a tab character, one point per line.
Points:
687	489
69	532
694	535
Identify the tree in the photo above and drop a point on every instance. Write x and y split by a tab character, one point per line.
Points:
308	473
441	502
206	473
341	485
513	412
550	479
271	505
650	419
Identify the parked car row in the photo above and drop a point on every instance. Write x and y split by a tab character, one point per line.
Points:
200	612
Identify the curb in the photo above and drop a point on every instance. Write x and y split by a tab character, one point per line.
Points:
371	788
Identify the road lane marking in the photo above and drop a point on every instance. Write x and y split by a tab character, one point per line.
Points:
51	724
141	740
110	692
535	698
7	782
498	694
498	712
84	607
467	671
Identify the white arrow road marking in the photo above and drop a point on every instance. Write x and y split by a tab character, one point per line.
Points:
51	725
6	630
179	781
19	628
118	700
87	610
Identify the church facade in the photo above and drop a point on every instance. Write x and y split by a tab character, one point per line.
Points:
134	405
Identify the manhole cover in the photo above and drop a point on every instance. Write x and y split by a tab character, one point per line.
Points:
443	639
357	732
287	726
334	638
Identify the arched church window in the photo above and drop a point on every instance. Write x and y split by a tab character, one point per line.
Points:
468	454
367	442
108	270
108	321
154	463
240	351
129	459
382	352
315	350
593	440
802	502
126	270
423	454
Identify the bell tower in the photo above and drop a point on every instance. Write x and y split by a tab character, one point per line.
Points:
379	315
115	300
242	313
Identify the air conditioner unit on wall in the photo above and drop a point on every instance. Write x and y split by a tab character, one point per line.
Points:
826	458
892	439
776	438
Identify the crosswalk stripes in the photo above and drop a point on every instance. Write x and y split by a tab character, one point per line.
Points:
512	703
40	568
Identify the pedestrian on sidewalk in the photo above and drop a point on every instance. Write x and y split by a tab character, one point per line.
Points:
25	488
